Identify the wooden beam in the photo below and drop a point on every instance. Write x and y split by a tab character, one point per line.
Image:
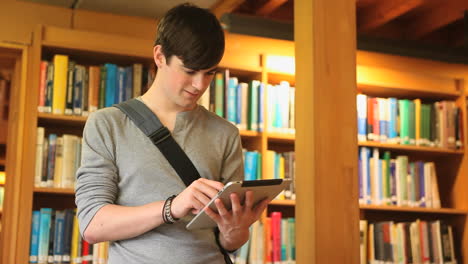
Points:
440	15
384	11
269	6
327	210
225	6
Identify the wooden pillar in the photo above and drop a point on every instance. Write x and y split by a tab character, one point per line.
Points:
327	211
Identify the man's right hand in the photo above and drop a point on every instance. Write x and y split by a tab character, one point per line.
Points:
195	197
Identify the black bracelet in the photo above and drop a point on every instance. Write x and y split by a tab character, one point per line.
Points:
166	212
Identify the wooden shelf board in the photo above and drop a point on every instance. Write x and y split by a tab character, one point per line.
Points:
64	118
281	137
411	148
54	190
96	42
374	90
413	209
283	202
248	133
2	161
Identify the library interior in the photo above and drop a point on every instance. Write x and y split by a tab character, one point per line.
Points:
360	104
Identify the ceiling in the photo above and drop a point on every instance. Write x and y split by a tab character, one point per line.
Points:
433	22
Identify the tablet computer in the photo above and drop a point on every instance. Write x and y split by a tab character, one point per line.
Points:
261	189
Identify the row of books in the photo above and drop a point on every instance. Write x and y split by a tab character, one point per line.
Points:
419	242
57	159
69	88
243	103
409	122
55	238
272	241
384	180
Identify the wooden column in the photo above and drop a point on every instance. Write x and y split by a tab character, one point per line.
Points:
12	202
327	211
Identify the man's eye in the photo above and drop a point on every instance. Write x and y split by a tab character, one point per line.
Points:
211	73
190	72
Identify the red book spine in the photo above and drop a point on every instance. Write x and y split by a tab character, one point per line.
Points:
85	253
276	235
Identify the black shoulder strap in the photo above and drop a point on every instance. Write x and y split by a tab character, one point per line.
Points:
149	123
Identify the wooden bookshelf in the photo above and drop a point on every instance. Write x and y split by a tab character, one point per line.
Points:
381	75
92	48
2	161
412	148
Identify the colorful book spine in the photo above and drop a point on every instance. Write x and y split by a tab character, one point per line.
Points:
361	102
35	227
59	84
44	234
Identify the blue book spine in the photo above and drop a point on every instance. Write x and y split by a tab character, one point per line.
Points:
58	236
277	122
44	233
232	97
277	165
120	91
249	168
111	84
253	106
361	101
35	226
238	104
361	193
128	83
78	90
392	126
51	159
368	177
261	95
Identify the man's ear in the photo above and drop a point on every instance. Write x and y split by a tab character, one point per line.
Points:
158	56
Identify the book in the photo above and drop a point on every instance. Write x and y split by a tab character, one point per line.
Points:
361	102
42	86
59	84
39	156
44	234
70	88
35	227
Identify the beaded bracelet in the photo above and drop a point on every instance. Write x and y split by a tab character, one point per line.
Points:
166	213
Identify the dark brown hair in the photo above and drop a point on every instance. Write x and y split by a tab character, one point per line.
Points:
193	34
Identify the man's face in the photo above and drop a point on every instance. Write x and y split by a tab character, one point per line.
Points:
183	86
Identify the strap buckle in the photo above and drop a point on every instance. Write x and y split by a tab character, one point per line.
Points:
160	135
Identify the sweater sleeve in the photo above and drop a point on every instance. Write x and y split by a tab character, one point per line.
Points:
233	164
97	177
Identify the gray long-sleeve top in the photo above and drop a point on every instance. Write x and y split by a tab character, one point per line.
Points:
120	165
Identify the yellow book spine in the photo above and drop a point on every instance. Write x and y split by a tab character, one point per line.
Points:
269	172
75	240
59	84
103	252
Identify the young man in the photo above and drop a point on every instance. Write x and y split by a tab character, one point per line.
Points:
124	180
